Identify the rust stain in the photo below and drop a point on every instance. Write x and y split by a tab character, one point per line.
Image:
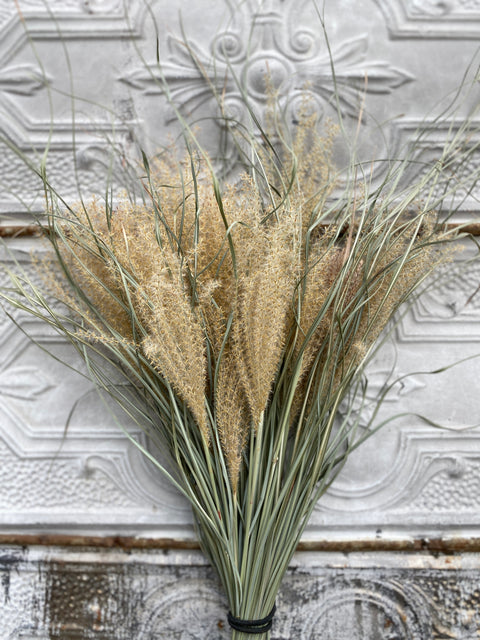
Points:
90	602
20	231
430	545
110	542
73	600
473	228
33	230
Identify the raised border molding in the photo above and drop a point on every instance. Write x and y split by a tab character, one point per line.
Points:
446	19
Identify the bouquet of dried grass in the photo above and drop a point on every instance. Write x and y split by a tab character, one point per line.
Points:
242	314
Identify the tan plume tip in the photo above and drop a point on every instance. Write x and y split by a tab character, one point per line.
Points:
175	343
232	417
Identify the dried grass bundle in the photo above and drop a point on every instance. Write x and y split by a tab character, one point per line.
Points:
242	315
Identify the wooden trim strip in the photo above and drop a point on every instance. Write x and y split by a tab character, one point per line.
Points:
33	230
20	231
472	228
431	545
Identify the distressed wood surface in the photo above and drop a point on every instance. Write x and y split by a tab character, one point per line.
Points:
87	594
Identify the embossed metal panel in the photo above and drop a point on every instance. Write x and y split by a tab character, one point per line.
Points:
397	60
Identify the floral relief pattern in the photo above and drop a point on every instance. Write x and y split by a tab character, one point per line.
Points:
290	60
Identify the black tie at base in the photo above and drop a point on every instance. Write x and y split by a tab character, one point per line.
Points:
252	626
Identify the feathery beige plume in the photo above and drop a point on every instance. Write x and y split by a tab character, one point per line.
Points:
232	417
175	341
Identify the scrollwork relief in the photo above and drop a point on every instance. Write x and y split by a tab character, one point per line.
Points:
280	55
454	487
426	477
456	295
390	384
447	311
348	608
288	76
171	605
